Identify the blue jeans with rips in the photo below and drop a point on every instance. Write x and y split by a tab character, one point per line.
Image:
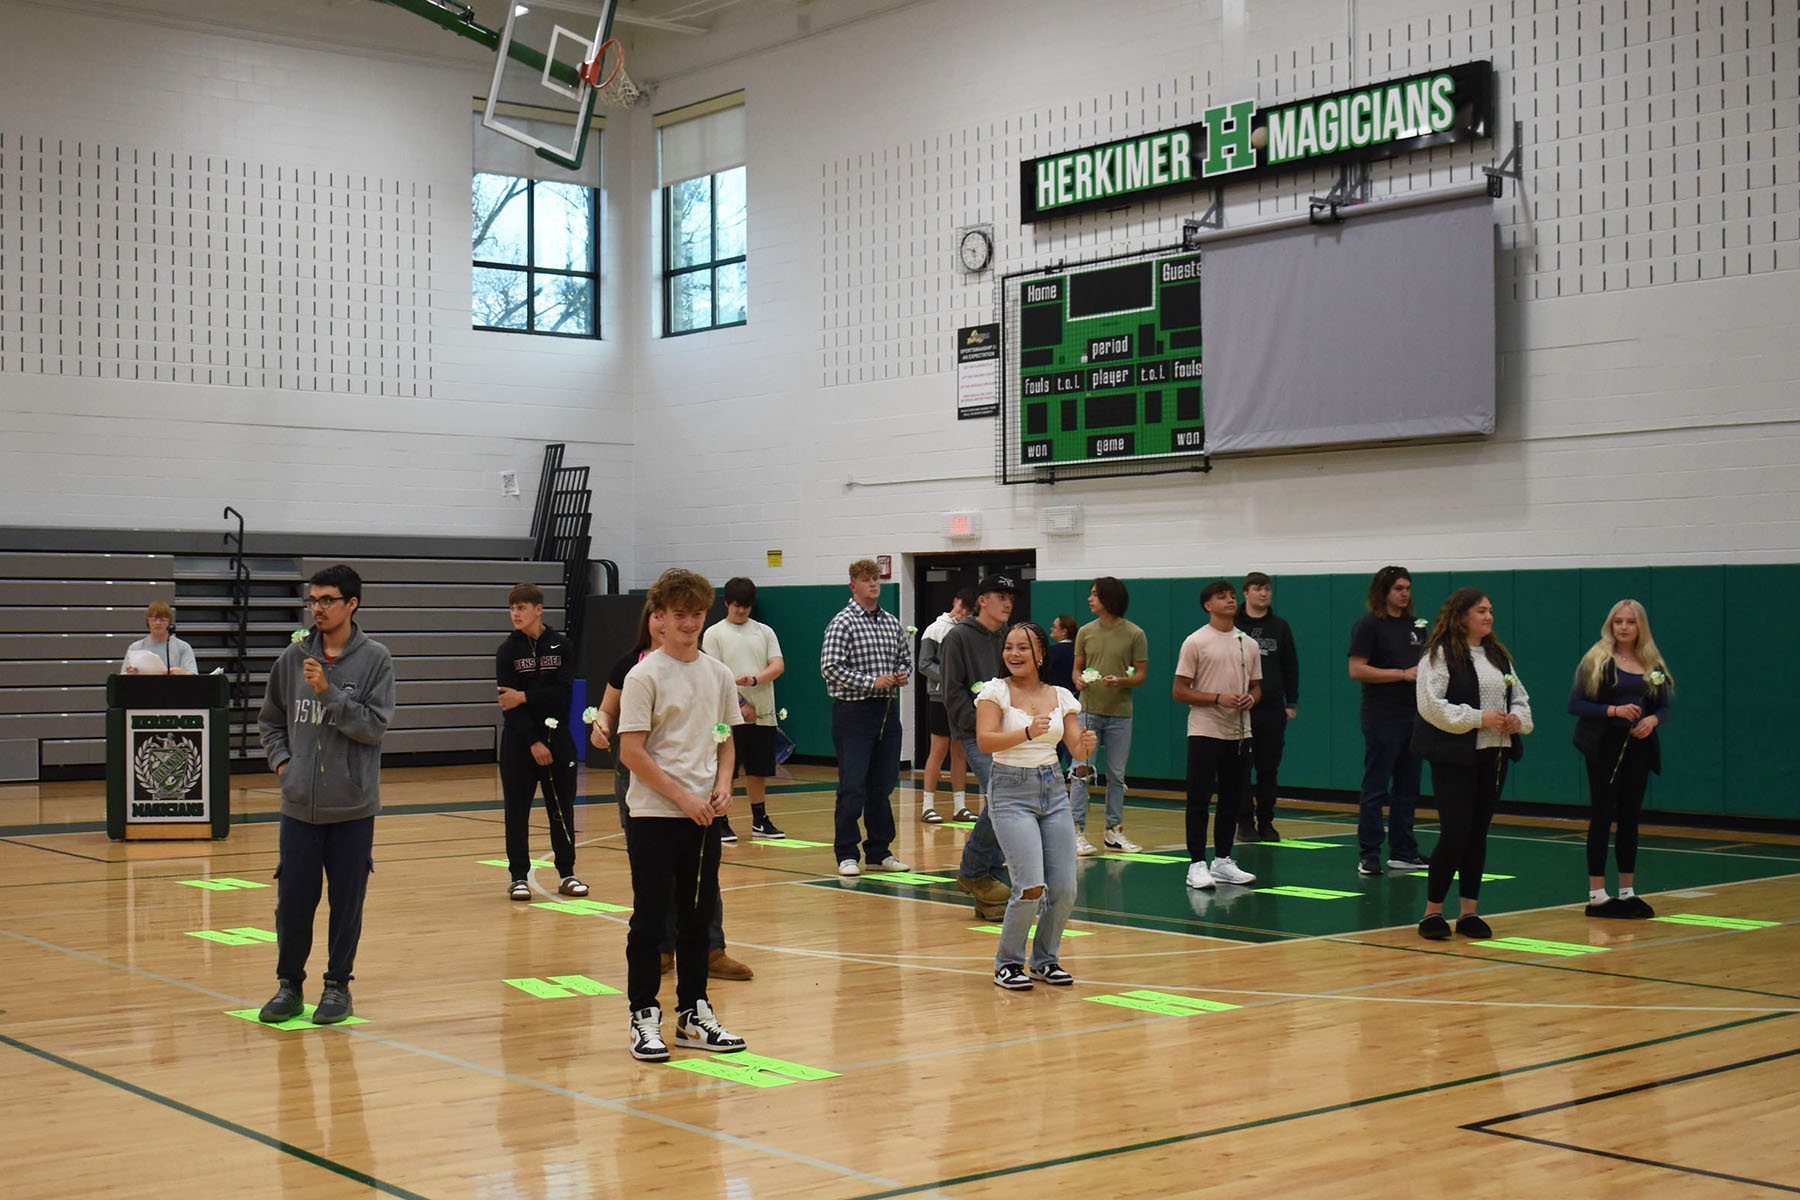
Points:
1115	738
1030	807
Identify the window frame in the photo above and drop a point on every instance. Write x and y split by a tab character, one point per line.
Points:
531	271
712	265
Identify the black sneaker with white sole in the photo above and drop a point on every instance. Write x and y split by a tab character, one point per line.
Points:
1012	977
1368	865
699	1027
646	1035
727	834
765	828
1052	974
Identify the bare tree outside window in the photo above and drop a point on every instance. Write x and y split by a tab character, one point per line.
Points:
533	248
707	239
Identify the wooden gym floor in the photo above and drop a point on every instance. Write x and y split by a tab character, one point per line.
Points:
1301	1041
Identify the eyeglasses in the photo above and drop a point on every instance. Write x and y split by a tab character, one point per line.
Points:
324	602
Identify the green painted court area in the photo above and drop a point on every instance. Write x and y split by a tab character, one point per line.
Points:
1313	889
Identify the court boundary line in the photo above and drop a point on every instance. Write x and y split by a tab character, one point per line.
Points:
1238	1127
229	1126
1486	1126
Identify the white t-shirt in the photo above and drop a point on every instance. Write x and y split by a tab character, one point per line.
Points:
173	654
746	649
1035	752
675	705
1219	660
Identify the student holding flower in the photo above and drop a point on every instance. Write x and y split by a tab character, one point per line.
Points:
1219	678
1384	658
1472	711
1621	695
676	711
534	676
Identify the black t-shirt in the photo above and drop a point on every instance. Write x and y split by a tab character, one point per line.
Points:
1393	644
622	668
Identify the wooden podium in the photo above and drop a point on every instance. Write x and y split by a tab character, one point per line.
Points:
168	757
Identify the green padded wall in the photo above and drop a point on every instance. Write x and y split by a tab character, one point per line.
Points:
1724	750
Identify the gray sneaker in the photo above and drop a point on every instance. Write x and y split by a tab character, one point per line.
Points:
1409	862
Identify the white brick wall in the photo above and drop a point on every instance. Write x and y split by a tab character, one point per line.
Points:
1649	273
1649	277
236	271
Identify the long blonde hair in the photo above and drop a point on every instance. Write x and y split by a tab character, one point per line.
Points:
1600	655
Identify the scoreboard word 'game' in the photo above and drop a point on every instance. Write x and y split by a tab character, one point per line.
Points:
1109	362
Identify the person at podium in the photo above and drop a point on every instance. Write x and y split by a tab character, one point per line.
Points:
161	653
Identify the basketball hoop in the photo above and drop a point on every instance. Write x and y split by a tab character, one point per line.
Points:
590	70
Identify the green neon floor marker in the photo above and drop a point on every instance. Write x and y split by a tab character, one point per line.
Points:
907	877
220	885
787	844
244	935
1485	876
1535	946
1738	923
501	862
1289	844
581	985
956	824
1147	858
1068	933
560	987
1166	1003
1305	893
752	1069
581	907
303	1021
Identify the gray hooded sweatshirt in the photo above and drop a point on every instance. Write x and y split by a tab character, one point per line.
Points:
331	740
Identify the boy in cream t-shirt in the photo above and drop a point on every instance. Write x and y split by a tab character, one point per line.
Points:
676	711
1219	676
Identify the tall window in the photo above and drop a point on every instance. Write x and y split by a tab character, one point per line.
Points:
705	231
705	215
534	232
535	269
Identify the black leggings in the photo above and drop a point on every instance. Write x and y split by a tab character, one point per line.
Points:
1466	797
1616	792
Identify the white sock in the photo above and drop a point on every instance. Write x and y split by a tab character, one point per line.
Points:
930	801
962	801
1598	896
1626	893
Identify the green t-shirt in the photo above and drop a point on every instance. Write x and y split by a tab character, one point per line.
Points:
1110	652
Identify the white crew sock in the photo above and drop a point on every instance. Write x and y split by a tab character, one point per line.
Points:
962	801
1598	896
930	801
1626	893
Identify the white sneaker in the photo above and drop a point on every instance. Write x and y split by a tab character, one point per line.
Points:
646	1035
890	863
1226	871
848	867
1084	847
1199	876
699	1027
1116	840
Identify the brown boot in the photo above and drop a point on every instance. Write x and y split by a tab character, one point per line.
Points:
990	912
720	965
986	890
668	963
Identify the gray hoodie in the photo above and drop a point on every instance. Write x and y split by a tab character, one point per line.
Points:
970	656
331	740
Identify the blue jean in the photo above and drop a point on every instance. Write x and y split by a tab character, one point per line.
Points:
982	856
866	736
344	855
1115	738
1390	776
1031	816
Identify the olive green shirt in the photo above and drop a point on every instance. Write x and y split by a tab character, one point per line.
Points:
1111	652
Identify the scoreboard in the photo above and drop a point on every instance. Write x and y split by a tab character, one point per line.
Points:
1109	362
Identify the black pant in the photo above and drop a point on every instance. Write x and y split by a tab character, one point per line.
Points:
715	935
1618	772
674	868
344	852
519	779
1268	728
1222	766
1466	797
866	737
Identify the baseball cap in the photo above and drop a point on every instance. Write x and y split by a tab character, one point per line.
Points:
997	583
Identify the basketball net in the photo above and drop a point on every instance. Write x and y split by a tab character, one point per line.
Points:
613	88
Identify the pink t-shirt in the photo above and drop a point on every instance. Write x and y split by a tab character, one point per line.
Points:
1216	660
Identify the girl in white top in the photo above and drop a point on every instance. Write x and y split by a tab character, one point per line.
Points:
1019	718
